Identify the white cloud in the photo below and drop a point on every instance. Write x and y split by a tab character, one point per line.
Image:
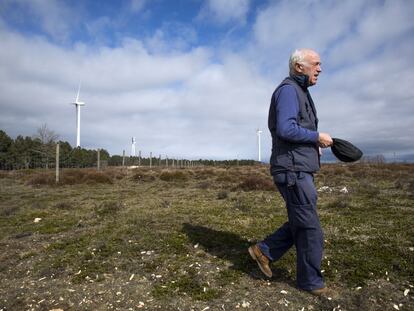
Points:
171	36
178	98
313	24
380	27
225	11
101	68
364	92
374	98
54	17
180	103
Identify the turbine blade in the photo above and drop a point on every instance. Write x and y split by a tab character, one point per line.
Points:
77	96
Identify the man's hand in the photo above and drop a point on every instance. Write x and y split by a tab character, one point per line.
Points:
325	140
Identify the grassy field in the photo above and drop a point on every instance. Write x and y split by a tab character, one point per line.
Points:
176	239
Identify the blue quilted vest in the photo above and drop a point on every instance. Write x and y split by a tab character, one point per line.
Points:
289	156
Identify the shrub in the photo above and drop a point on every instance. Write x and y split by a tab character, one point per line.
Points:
203	185
108	208
115	173
368	189
95	177
340	203
70	177
410	188
9	210
173	176
89	176
222	195
64	205
68	180
406	185
251	183
143	175
205	173
228	178
242	205
42	179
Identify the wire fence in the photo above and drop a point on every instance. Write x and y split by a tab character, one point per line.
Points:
63	156
78	158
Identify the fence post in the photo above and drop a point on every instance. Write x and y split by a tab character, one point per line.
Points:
57	162
123	158
150	159
139	158
99	159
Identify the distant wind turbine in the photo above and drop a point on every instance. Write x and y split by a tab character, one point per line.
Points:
258	132
78	104
133	147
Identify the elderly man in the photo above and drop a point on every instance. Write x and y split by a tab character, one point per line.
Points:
293	124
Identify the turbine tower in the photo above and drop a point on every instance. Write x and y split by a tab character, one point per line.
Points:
133	147
78	104
258	132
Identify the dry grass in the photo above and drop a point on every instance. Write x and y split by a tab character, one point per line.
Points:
177	239
70	177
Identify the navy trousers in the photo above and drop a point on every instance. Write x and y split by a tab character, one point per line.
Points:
302	229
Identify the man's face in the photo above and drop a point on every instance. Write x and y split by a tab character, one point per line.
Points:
311	67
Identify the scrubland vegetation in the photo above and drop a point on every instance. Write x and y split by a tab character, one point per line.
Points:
164	239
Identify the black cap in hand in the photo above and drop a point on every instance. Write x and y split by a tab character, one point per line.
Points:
345	151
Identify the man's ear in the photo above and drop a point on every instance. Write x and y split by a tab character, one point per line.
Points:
298	68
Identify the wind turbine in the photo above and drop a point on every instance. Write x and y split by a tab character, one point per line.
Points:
133	147
258	132
78	104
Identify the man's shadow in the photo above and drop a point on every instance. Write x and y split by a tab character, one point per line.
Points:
230	246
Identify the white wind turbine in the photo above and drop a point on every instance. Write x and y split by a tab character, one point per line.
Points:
133	147
78	104
258	132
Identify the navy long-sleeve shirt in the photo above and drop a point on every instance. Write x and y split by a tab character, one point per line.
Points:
287	109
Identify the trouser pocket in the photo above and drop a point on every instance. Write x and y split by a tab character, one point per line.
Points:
303	191
303	216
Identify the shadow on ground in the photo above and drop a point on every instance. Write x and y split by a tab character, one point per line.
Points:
230	246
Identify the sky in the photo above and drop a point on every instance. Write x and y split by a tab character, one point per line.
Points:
193	78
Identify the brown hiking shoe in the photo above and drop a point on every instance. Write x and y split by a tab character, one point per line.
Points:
262	260
319	292
324	292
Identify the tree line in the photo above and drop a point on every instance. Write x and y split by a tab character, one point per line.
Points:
39	151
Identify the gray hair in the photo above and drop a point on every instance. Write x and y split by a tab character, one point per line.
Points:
298	56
